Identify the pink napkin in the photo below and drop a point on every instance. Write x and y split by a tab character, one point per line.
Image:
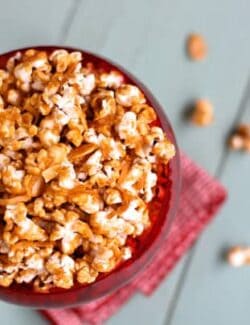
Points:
201	197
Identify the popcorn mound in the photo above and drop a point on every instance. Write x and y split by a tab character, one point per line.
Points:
79	163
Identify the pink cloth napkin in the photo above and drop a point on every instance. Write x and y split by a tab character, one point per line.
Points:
201	197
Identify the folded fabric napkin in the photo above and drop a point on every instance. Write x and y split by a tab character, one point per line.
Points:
193	215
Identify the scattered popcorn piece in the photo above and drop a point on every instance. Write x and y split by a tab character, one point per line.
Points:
203	113
196	47
238	256
240	139
244	130
236	142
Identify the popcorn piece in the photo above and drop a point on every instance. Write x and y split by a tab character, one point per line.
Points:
111	149
112	80
136	213
12	179
7	274
90	136
103	104
112	227
48	137
33	267
127	127
203	114
23	75
77	154
75	137
4	75
165	150
1	103
150	183
37	208
67	176
87	84
33	185
103	260
70	230
129	95
126	253
61	268
63	60
93	163
25	276
146	113
196	47
12	61
112	196
17	222
14	97
238	256
88	202
4	247
244	130
23	71
240	140
60	59
139	178
236	142
85	273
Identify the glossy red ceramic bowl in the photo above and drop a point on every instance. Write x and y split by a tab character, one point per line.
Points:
162	211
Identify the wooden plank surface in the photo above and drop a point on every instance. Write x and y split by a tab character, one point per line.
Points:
148	37
29	23
219	293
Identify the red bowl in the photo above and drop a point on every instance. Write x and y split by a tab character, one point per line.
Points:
162	211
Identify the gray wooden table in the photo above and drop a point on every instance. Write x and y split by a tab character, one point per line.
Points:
147	37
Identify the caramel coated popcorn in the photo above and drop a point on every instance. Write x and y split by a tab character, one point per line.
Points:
238	256
240	139
203	113
78	167
196	47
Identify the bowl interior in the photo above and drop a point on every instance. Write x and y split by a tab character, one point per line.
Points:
162	210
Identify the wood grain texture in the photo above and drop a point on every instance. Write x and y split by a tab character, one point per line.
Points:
148	38
30	23
220	293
